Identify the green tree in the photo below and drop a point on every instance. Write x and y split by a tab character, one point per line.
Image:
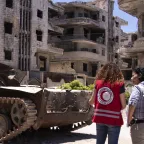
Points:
76	85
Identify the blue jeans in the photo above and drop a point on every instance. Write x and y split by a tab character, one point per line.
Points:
104	130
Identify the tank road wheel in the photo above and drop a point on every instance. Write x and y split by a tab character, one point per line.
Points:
4	125
18	114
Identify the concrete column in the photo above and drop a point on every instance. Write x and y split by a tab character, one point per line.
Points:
89	34
75	13
99	65
140	28
141	59
133	63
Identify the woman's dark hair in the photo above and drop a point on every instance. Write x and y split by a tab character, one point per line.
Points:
110	72
140	73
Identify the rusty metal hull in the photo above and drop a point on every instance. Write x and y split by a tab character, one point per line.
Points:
53	107
65	118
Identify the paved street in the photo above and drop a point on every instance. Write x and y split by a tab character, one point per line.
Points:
85	135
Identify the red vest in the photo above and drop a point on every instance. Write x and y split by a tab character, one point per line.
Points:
107	104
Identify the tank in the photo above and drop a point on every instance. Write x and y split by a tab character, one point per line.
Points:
33	107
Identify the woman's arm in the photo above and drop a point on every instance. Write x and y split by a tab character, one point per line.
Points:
122	97
92	99
123	100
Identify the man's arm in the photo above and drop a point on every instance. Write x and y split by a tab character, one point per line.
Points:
130	113
134	98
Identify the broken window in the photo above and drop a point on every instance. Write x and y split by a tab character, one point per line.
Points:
103	52
9	3
85	14
84	49
42	63
86	33
117	39
134	37
39	35
8	55
103	18
72	65
94	51
69	14
69	31
8	27
117	24
39	14
19	63
80	15
84	67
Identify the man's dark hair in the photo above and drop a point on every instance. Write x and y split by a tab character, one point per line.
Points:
140	72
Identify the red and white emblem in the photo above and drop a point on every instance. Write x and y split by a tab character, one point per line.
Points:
105	96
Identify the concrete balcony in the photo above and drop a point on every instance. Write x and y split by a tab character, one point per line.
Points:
126	52
137	48
81	4
81	55
129	6
54	50
54	28
77	21
55	7
124	65
82	39
50	50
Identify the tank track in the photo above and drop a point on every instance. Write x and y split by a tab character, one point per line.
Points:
30	119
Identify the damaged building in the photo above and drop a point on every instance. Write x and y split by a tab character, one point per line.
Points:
24	29
136	51
86	40
127	62
72	39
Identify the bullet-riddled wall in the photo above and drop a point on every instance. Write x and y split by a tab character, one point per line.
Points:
9	32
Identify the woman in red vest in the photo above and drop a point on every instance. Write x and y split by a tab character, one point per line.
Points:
108	99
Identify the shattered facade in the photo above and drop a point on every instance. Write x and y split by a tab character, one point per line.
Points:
135	8
9	32
85	39
127	63
24	29
71	38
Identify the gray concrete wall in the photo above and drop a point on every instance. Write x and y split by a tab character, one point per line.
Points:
9	41
39	24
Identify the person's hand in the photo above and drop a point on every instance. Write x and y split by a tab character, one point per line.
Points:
131	121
